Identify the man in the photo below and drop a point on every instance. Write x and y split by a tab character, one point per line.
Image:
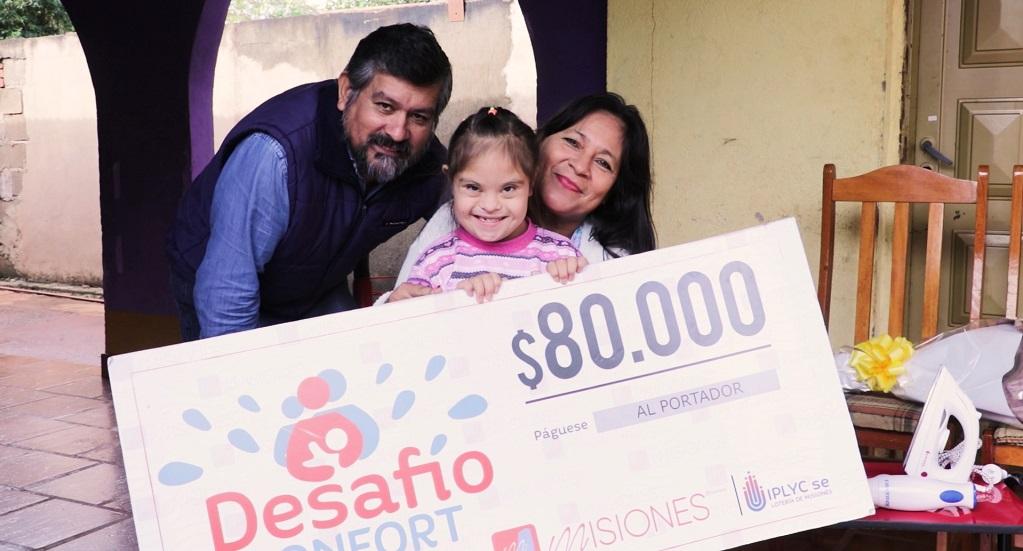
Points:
309	183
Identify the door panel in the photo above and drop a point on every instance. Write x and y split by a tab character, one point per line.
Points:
996	253
969	101
992	131
991	33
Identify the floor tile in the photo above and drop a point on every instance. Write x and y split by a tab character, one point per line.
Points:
88	308
7	452
44	327
45	374
90	387
69	367
8	298
107	454
13	395
95	485
120	536
16	499
24	470
98	417
122	502
56	406
10	363
52	521
50	353
15	427
74	440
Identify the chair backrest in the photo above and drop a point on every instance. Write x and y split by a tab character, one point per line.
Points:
901	185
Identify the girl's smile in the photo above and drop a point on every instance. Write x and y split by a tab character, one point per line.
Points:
491	195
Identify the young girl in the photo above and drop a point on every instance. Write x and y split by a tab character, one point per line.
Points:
490	163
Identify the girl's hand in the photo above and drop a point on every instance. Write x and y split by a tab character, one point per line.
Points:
564	269
411	290
483	286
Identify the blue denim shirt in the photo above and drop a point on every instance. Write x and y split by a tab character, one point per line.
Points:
248	217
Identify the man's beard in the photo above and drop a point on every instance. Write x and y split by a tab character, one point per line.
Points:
383	168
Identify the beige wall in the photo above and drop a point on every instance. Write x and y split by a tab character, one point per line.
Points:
746	100
49	192
49	181
261	58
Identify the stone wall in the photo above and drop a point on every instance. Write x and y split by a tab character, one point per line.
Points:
13	142
49	169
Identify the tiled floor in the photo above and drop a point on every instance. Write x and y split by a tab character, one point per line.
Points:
61	481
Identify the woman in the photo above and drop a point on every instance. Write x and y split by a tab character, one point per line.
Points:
592	184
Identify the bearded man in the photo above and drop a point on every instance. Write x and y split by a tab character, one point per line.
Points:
309	183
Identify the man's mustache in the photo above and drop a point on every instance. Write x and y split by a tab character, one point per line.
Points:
402	148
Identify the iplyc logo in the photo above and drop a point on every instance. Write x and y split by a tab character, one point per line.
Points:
755	497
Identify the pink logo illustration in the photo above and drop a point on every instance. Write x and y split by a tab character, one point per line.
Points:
522	538
324	433
329	434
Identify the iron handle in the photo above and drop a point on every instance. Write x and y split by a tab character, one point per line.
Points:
928	146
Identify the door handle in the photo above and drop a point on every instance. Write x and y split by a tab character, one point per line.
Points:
927	144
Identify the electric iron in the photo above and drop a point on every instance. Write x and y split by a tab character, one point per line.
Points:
937	478
927	456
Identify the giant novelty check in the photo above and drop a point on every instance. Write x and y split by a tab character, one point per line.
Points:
684	398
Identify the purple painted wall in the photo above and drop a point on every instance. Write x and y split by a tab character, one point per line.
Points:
200	85
140	56
570	46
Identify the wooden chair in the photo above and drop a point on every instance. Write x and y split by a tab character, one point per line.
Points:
1001	444
1004	445
883	421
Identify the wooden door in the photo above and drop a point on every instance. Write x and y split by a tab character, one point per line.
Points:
968	82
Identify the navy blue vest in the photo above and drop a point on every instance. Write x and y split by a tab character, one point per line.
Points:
333	223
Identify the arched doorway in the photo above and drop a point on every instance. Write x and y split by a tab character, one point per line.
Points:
152	65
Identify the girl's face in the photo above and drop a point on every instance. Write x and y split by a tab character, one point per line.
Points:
579	165
490	196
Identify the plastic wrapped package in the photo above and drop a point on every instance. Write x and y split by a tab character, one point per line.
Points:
984	358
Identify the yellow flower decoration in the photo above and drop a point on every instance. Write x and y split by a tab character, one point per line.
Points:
879	361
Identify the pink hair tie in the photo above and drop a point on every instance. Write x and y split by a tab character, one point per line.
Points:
492	111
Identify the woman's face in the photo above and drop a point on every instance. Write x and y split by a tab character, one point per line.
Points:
579	165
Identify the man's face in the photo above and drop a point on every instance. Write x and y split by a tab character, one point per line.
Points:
388	125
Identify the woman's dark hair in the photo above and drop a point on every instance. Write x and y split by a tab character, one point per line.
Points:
487	127
622	220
